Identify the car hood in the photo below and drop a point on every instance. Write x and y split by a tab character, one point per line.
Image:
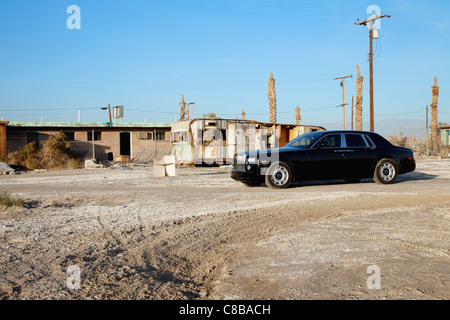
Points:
270	151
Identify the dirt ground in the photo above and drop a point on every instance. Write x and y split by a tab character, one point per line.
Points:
201	235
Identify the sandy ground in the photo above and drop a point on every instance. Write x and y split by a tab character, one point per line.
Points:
124	234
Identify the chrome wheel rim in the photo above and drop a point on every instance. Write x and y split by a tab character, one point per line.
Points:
387	171
279	176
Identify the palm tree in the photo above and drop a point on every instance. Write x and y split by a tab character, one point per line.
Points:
210	115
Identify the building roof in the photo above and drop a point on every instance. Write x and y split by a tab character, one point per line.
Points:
89	124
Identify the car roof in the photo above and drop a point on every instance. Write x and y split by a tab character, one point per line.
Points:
377	138
347	131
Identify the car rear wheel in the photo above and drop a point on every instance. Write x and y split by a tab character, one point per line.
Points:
386	171
278	176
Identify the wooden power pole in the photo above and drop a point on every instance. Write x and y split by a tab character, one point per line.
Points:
426	126
109	110
352	112
343	96
369	22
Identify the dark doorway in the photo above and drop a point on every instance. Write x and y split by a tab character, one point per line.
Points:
125	144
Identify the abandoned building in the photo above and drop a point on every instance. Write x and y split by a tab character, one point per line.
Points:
90	140
445	133
216	141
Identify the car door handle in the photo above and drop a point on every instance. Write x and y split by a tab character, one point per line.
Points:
344	150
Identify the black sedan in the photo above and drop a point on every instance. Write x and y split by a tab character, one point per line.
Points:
325	155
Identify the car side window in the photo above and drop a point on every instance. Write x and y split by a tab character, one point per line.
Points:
355	140
330	141
369	141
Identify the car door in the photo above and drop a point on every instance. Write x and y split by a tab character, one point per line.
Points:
325	159
359	154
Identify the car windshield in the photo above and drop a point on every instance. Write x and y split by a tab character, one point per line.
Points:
305	140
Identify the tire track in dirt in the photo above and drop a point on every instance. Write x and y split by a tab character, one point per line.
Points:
194	249
183	258
29	269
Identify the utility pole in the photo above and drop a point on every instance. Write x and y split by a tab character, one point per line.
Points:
109	110
352	112
426	126
369	22
343	96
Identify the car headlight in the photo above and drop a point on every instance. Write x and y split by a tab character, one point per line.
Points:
252	160
240	159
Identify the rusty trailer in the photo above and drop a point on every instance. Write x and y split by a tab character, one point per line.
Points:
216	141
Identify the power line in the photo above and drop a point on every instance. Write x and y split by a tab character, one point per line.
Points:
151	111
47	109
300	18
283	112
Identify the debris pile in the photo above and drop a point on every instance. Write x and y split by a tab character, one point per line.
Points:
6	169
53	154
419	146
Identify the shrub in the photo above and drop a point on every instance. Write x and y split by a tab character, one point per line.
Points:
420	145
54	154
8	201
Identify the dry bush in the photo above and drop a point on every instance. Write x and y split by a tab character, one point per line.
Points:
54	154
419	146
442	150
7	201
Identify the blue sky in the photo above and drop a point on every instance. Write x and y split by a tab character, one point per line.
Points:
219	54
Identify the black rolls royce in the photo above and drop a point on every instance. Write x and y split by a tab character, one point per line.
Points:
325	155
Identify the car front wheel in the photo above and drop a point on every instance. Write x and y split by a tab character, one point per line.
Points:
385	171
278	176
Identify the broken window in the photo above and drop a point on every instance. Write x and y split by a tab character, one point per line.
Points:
69	136
160	136
180	136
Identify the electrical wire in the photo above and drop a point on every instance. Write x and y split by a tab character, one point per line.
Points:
152	111
300	18
46	109
278	112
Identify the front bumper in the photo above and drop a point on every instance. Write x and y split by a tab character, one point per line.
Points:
245	176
